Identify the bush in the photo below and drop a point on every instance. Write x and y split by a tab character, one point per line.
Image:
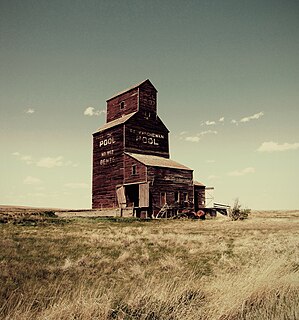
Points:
236	213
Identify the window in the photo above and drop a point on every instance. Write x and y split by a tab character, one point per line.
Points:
147	114
163	198
185	197
177	196
134	169
122	105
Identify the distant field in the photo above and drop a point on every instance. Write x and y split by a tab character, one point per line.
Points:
111	268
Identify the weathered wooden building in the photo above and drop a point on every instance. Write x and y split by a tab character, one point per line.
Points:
131	161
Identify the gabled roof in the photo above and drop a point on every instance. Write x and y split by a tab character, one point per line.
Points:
116	122
131	88
155	161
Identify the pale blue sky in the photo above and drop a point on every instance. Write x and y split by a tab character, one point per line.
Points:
208	60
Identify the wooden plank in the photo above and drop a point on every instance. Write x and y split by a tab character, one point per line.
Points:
121	197
148	98
140	174
170	181
146	135
107	167
130	100
144	195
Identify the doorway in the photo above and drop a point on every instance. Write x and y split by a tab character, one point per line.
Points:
132	195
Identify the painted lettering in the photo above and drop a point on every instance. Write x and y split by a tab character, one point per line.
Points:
107	153
146	140
106	142
104	162
151	134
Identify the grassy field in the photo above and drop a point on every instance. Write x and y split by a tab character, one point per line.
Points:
88	268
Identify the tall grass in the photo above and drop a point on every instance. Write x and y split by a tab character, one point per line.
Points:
105	269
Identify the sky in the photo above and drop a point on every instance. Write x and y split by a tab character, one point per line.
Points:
227	75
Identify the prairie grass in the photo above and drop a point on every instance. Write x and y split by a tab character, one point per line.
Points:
85	268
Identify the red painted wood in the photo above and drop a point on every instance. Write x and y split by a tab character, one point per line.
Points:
130	100
146	135
140	175
170	181
143	133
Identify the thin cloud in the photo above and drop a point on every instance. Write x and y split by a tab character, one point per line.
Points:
30	111
210	161
26	158
90	111
45	162
202	133
238	173
77	185
49	162
29	180
271	146
248	118
70	164
210	123
193	139
253	117
197	137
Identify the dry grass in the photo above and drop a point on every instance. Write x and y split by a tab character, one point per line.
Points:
127	269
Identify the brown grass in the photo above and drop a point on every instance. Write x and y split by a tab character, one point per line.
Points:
53	268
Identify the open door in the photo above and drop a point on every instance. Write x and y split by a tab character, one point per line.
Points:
144	195
121	198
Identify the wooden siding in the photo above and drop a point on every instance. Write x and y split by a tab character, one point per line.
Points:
146	135
170	181
148	98
144	195
141	133
130	100
199	197
107	167
140	175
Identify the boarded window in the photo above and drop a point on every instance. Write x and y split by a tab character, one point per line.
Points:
162	198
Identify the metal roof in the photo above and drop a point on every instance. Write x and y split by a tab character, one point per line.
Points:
131	88
115	122
155	161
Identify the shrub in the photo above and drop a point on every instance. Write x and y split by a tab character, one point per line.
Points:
237	213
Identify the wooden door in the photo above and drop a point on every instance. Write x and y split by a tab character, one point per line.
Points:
121	198
144	195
